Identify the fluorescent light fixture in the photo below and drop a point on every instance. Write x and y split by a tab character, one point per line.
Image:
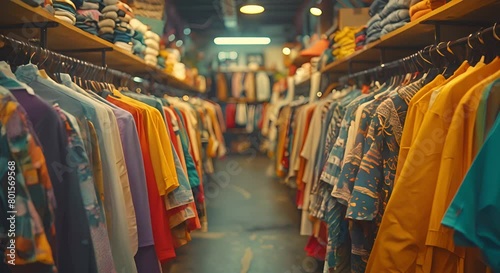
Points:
179	43
252	9
315	11
242	40
171	37
233	55
137	79
187	31
286	51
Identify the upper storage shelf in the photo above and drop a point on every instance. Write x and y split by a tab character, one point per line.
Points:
469	15
22	22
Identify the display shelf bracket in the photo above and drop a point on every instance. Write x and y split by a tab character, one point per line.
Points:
43	26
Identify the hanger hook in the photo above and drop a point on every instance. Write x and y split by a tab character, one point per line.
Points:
468	41
437	49
495	32
480	38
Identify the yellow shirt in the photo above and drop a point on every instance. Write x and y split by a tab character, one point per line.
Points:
161	155
457	157
415	115
403	230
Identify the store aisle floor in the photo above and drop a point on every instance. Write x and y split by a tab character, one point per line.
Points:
253	225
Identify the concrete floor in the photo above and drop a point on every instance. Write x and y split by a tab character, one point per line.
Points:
253	225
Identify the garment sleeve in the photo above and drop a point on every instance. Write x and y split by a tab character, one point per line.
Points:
473	213
365	200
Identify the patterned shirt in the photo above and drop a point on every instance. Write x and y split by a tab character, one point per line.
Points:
93	208
377	169
35	201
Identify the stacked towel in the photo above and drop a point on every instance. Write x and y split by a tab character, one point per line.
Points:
65	10
107	21
123	30
152	41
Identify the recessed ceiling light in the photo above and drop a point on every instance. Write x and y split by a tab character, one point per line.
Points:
242	40
171	37
179	43
252	9
187	31
315	11
286	51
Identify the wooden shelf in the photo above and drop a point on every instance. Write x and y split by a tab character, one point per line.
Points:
418	34
66	38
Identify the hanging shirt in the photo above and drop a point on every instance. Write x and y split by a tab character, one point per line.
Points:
404	229
114	169
71	194
35	202
263	86
457	156
474	209
162	238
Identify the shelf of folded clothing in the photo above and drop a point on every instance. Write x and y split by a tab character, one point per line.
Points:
418	34
62	37
70	41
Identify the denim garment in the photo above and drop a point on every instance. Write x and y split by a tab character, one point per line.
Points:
401	15
107	36
114	202
391	27
121	36
377	6
394	5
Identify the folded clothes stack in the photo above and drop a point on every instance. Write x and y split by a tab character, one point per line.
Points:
360	38
344	42
65	10
88	20
394	15
107	21
152	41
123	30
420	8
138	41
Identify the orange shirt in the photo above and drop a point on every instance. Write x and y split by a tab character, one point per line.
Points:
401	238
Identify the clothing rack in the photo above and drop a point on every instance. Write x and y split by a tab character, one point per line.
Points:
433	56
17	53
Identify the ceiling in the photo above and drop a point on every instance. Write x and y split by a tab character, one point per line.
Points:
204	16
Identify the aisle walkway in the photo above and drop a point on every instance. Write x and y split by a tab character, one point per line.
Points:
253	225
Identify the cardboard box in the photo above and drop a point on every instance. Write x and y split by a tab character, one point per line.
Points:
353	17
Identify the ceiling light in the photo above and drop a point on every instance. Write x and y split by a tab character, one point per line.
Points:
252	9
179	43
233	55
316	11
187	31
286	51
171	37
242	40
